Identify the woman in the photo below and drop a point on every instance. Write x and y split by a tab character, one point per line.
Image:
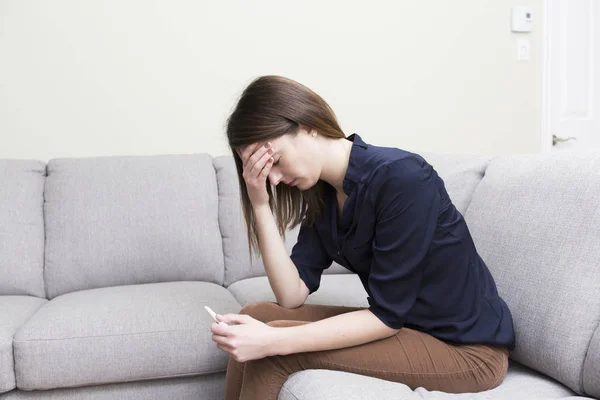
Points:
435	319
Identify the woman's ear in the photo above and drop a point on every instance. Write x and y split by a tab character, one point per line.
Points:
305	129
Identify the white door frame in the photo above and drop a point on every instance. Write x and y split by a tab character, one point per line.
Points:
557	116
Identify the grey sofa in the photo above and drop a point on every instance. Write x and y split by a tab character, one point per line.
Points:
106	264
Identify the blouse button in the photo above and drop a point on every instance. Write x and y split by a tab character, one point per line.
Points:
338	252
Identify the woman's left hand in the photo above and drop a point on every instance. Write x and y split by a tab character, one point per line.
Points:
248	340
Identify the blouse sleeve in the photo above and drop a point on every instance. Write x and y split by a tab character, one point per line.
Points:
310	257
406	203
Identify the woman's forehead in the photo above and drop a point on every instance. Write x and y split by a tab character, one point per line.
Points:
276	143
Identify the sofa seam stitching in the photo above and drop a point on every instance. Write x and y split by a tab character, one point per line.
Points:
14	366
103	336
487	164
290	393
587	350
44	281
219	219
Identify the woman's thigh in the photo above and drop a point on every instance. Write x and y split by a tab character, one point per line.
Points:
410	357
268	311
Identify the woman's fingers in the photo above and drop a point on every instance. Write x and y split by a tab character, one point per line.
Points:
257	154
254	158
236	318
256	169
260	164
225	348
247	151
265	171
220	340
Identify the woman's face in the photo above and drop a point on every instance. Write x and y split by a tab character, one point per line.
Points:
296	160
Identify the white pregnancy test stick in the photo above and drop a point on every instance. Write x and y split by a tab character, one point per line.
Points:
214	315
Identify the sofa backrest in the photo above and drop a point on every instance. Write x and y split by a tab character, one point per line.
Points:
22	227
132	219
461	174
535	220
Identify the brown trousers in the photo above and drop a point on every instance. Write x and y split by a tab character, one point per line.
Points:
410	357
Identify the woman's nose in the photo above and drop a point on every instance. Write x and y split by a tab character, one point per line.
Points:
275	177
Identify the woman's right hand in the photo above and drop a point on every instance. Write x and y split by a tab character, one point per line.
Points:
257	161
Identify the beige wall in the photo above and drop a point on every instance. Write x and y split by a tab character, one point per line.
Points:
124	77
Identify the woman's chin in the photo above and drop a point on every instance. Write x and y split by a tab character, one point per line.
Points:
304	184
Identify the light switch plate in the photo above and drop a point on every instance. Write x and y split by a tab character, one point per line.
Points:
523	49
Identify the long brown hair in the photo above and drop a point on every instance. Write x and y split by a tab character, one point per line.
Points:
270	107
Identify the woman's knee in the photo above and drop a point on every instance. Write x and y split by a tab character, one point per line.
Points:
262	310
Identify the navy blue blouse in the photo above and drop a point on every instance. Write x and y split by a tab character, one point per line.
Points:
409	245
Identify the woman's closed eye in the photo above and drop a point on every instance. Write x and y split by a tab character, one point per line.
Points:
276	162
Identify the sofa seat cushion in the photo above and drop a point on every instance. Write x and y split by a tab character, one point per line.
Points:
181	388
14	312
335	290
520	383
120	334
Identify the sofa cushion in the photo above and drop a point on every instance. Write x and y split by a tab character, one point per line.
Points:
121	333
126	220
520	383
233	227
22	227
535	220
14	312
461	174
336	290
